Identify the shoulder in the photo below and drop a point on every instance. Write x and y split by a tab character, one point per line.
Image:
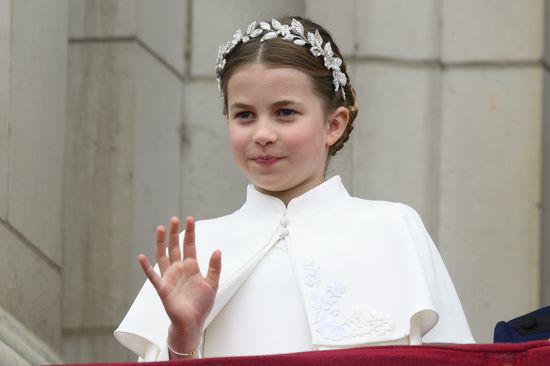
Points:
393	218
221	220
230	219
397	210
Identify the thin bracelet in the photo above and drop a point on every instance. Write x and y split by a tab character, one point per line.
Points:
192	353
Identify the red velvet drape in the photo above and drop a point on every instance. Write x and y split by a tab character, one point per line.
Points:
503	354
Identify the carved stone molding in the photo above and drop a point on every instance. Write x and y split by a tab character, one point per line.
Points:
19	346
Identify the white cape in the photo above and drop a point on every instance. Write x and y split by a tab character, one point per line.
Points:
366	271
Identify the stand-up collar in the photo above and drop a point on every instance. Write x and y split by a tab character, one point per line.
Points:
323	197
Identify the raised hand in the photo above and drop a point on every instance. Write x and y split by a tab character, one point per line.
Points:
187	296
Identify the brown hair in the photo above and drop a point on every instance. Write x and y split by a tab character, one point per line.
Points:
278	52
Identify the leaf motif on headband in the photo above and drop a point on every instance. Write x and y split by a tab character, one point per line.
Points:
251	27
293	33
255	33
298	27
276	24
269	35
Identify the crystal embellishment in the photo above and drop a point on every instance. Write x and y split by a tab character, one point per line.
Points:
293	33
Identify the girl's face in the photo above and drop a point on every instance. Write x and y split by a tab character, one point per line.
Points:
278	130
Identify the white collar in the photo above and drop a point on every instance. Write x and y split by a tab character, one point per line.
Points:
317	200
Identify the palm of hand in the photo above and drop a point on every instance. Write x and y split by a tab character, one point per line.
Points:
187	296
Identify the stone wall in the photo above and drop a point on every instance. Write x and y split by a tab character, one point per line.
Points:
33	58
545	250
490	156
123	153
110	123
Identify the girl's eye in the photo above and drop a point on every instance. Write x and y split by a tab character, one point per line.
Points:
244	115
285	112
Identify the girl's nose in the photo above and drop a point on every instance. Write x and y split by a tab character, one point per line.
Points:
264	134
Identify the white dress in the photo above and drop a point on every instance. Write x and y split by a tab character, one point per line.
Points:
328	271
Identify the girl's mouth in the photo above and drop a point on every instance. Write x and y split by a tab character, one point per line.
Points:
266	160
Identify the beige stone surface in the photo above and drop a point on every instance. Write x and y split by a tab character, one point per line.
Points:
30	289
398	28
10	357
545	250
19	345
236	14
393	151
98	183
162	26
492	30
102	18
547	33
489	225
38	84
341	21
156	157
99	347
5	55
212	184
123	174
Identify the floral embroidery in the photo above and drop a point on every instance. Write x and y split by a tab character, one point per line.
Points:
311	274
324	302
375	323
327	315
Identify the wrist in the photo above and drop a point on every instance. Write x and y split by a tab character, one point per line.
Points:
175	354
182	344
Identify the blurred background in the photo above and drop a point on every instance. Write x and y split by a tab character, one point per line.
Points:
110	123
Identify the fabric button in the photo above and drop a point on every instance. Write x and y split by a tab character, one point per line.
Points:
284	221
529	323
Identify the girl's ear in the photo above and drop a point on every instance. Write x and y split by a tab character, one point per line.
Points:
336	124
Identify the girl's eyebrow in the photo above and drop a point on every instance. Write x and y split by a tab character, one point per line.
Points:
285	102
239	106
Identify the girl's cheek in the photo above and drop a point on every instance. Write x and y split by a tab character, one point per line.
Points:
237	139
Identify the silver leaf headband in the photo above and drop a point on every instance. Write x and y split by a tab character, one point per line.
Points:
293	33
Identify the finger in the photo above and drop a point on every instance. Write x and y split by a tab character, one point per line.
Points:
214	269
174	253
160	250
149	271
189	250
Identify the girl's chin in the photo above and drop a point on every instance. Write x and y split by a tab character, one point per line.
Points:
274	189
268	186
275	184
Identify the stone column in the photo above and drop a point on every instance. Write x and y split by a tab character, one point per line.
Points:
126	66
490	153
545	250
33	54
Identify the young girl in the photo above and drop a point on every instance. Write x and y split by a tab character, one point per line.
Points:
305	265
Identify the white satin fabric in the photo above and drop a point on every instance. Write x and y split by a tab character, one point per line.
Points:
328	271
